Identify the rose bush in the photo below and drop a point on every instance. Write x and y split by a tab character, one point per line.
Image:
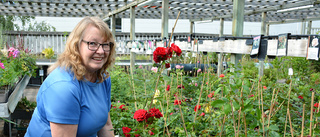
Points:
232	104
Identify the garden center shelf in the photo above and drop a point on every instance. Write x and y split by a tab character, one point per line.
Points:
8	107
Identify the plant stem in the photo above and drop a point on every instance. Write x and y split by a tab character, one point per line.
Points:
291	129
195	116
173	28
224	120
311	111
134	91
302	125
238	132
285	126
155	87
262	111
234	122
271	107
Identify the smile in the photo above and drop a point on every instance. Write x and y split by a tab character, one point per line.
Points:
98	59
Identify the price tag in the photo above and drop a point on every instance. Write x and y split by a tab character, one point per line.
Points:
290	71
41	72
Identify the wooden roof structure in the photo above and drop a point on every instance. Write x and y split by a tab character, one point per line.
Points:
194	10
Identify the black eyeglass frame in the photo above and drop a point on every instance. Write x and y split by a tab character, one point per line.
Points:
99	44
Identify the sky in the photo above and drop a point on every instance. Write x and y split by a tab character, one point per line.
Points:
66	24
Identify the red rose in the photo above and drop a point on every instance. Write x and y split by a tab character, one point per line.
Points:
126	130
167	65
169	52
221	76
251	96
160	54
155	112
176	49
140	115
316	105
177	102
301	97
168	87
264	87
179	86
197	107
150	132
202	114
122	107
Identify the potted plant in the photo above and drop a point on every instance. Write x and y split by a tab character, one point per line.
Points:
15	63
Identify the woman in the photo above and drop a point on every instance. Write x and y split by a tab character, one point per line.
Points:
74	100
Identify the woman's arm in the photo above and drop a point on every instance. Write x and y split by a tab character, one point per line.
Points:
107	129
63	130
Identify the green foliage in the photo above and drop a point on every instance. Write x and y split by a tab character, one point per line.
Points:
25	104
16	67
27	24
48	53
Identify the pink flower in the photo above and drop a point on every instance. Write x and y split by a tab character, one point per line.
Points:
199	70
202	114
1	65
11	49
140	67
196	84
264	87
154	69
251	96
177	66
171	113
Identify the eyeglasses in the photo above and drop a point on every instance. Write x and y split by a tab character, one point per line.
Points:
94	46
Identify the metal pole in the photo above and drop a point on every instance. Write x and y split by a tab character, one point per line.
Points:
220	55
165	19
132	23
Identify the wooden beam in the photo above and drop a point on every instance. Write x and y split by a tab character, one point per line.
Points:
124	8
271	8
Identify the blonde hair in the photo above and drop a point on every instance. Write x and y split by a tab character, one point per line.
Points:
71	60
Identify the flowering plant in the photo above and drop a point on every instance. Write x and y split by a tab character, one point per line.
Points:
14	64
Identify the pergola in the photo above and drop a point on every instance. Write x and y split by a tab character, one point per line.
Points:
194	10
267	11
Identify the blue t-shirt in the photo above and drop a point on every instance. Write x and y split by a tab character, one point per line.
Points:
65	100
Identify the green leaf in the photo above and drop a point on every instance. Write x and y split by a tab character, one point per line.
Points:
274	127
258	113
274	134
227	109
248	108
217	103
236	105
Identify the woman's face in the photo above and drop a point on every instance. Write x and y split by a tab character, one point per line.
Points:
93	60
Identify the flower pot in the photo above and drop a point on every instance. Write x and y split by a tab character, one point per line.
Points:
4	96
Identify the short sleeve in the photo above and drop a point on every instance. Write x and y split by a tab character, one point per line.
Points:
62	103
108	83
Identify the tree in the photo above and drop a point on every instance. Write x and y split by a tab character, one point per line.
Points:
8	23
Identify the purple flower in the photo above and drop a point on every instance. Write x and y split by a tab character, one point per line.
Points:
16	53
